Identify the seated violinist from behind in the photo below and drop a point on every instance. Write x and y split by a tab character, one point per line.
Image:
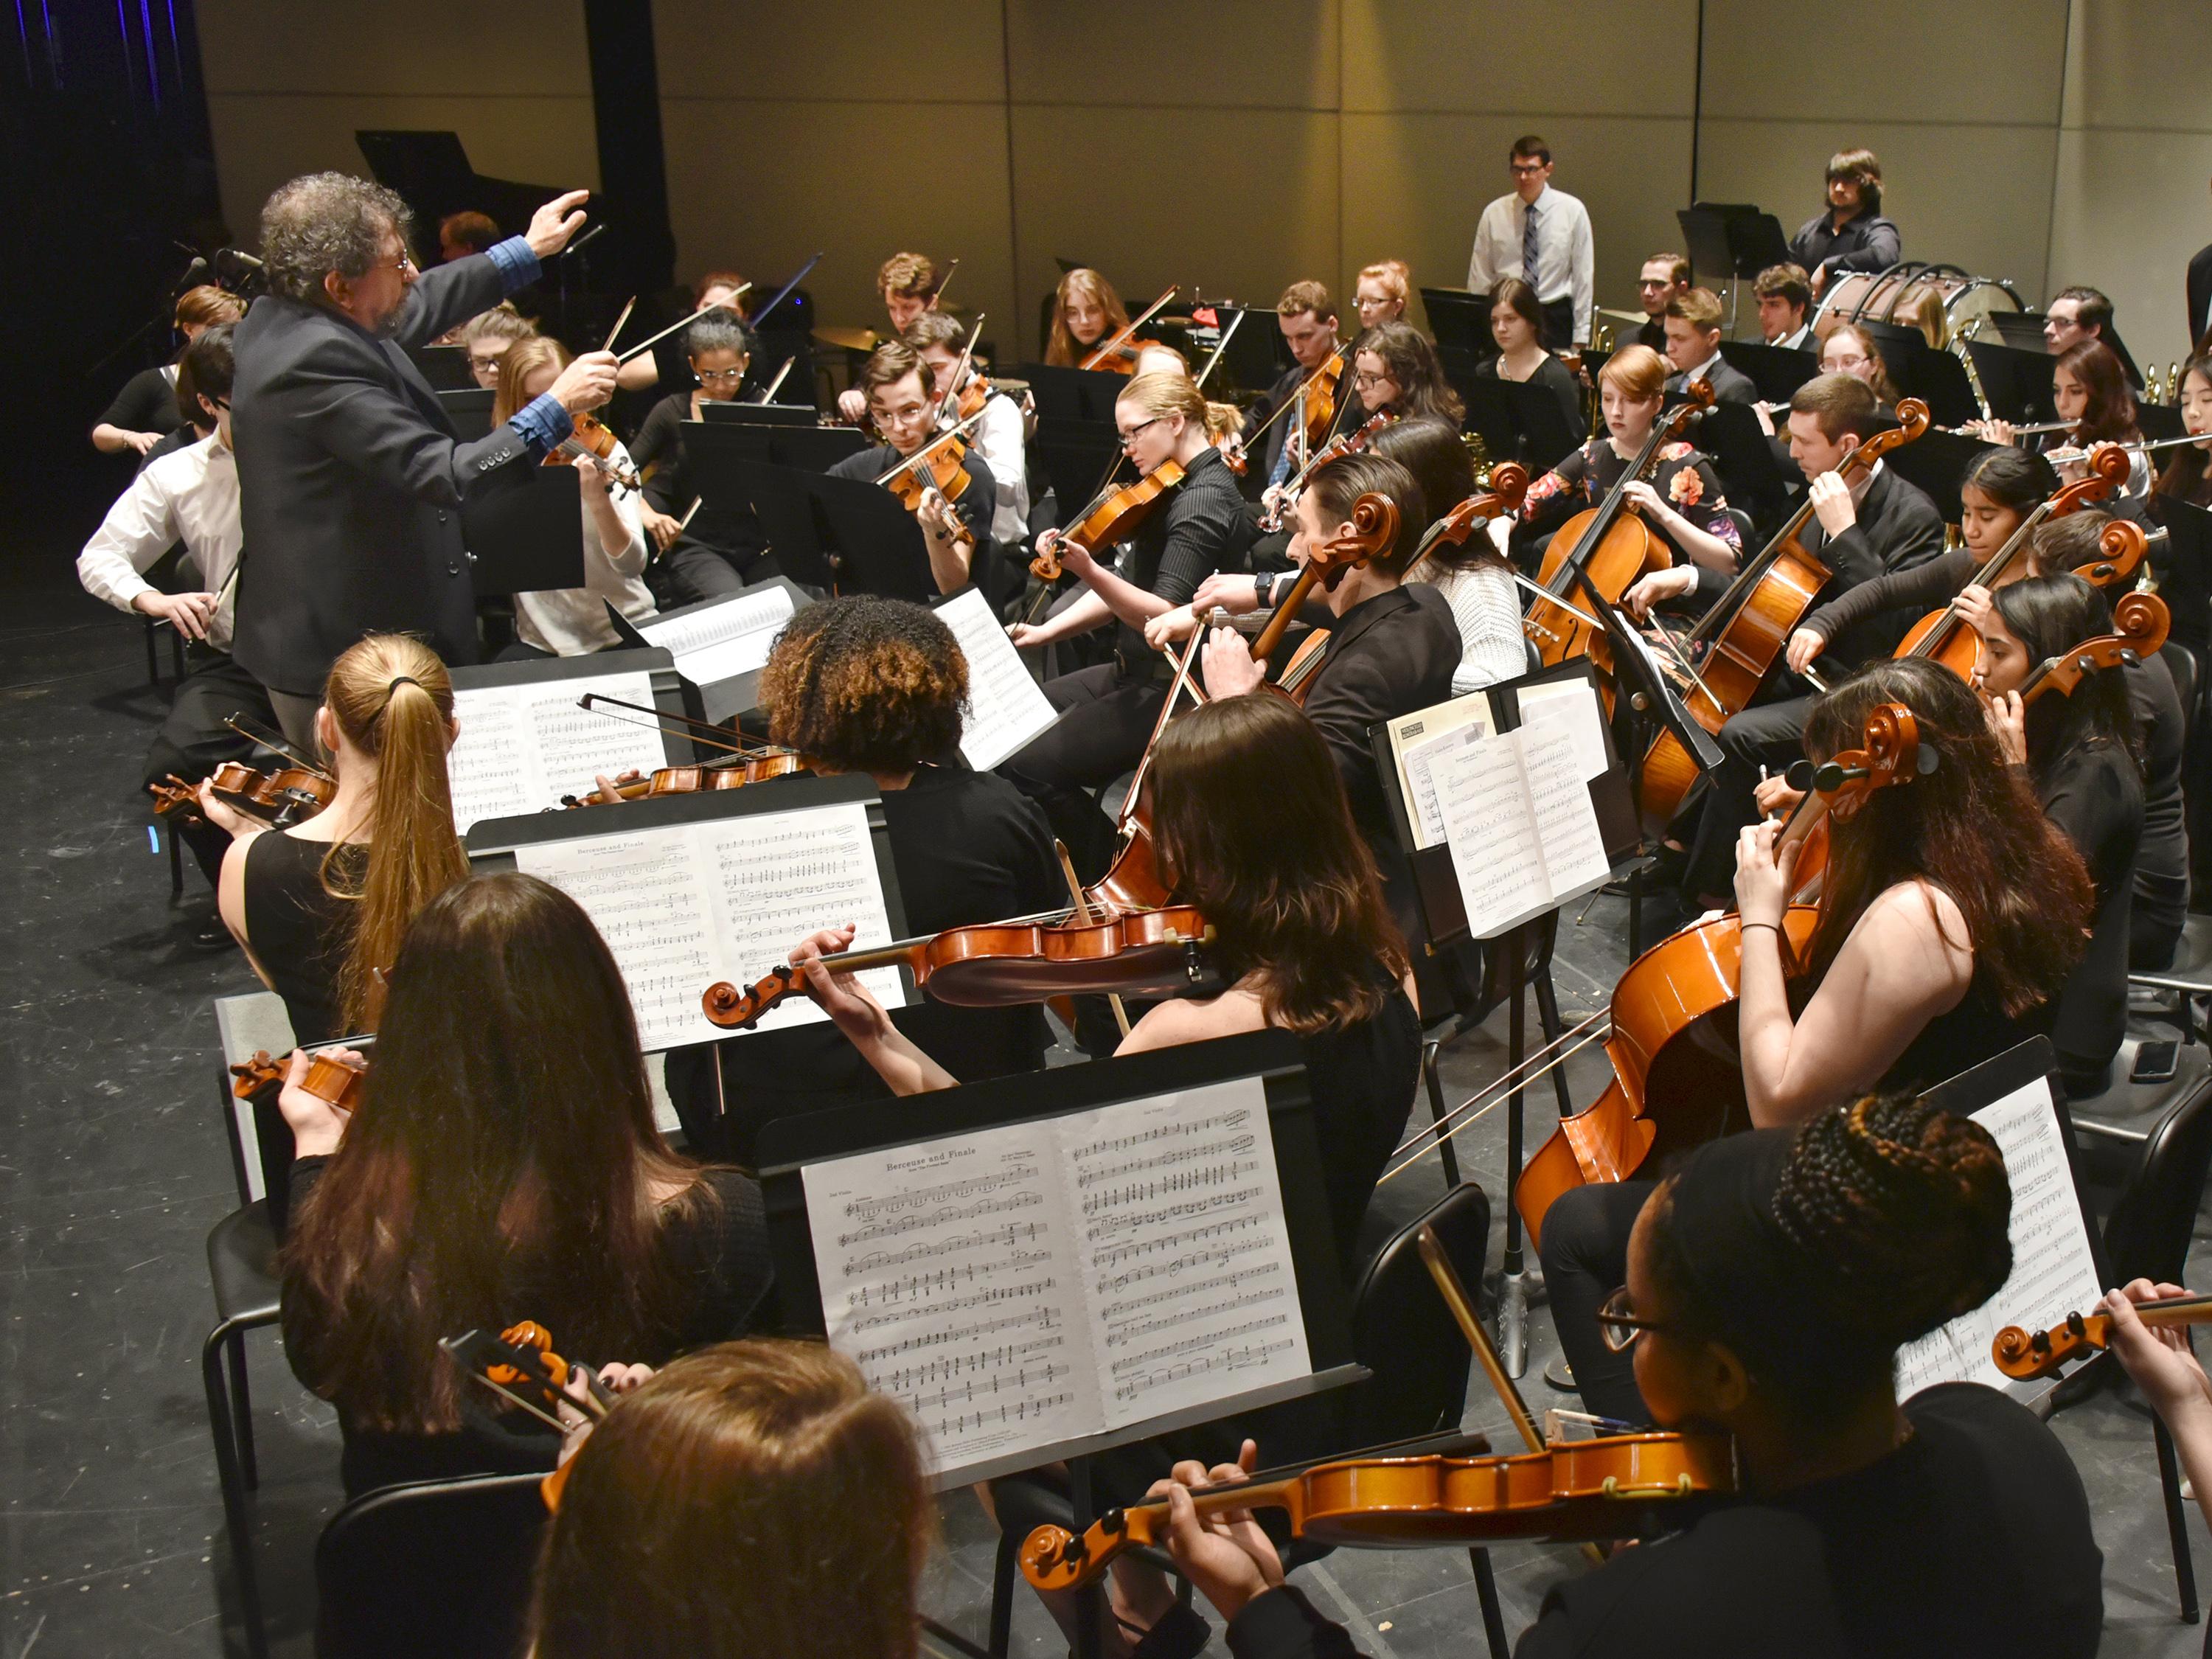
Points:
1953	913
1198	526
1765	1292
504	1164
1247	805
1086	313
1307	316
900	388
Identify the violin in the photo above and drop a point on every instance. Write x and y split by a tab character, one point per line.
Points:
1603	549
1748	626
1113	516
2026	1355
285	797
936	465
1118	355
1374	532
733	774
1151	952
1678	1075
1572	1491
591	441
330	1079
1320	391
1345	443
520	1365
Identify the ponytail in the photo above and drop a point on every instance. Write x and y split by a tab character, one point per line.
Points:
393	700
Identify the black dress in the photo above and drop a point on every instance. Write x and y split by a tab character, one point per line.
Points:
719	1251
1685	480
1971	1538
967	847
299	932
2094	791
146	403
1553	376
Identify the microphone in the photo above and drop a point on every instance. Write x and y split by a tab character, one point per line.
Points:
245	259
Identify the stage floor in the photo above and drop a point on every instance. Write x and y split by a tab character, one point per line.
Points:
114	1167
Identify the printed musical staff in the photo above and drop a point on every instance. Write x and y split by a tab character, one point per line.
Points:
723	640
1006	709
524	747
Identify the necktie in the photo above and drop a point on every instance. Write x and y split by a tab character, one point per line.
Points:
1529	246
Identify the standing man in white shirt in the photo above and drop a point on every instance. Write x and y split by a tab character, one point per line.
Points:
1542	236
189	495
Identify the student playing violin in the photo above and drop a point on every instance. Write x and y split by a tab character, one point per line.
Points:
2080	752
1248	807
999	440
1765	1292
720	549
573	621
1086	313
503	1164
1201	526
1307	317
873	686
1952	912
664	366
908	283
901	390
1517	323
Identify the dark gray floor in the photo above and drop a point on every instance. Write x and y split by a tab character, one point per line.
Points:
113	1168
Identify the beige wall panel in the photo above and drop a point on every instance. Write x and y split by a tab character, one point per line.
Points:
1970	60
844	49
1596	57
828	188
2130	210
1265	54
260	141
1977	197
1412	188
2140	64
1258	210
422	48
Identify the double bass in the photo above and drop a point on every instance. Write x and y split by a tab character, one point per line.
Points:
1603	548
1748	626
1678	1076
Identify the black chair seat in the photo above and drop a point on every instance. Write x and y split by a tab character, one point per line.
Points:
2190	970
242	1264
2148	1145
435	1570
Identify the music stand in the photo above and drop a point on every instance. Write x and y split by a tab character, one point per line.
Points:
1517	423
1776	371
2016	381
1073	394
468	412
877	546
720	695
1744	455
814	448
777	415
1460	321
1938	378
1934	463
2020	330
1075	455
524	533
2186	581
446	367
1735	239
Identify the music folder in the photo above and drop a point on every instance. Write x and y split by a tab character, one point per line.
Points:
525	531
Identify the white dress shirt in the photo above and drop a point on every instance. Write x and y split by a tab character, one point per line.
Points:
998	439
568	622
188	496
1566	259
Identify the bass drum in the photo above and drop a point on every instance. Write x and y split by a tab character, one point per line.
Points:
1942	301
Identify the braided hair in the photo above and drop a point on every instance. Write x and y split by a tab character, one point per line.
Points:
1815	1254
866	685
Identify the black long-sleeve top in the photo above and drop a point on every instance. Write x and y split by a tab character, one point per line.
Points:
1200	528
734	532
1867	241
2094	793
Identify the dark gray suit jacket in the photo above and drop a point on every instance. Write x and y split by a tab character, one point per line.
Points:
1897	528
1730	384
351	480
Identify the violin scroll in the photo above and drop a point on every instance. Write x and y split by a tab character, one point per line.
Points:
732	1010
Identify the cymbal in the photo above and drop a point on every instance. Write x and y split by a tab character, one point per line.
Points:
848	339
1636	317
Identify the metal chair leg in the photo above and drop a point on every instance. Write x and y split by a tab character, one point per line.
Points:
2177	1524
1547	1010
153	662
235	1521
1493	1615
1430	1050
1002	1597
176	864
241	1411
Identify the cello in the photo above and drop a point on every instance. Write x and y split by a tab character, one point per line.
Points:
1678	1080
1748	626
1602	549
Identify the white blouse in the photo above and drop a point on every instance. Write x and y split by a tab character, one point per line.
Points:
569	621
1491	648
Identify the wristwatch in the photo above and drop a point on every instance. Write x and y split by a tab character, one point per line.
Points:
1263	590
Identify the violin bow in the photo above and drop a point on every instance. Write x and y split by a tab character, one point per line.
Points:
610	342
722	735
274	746
1294	397
930	448
944	282
1129	329
1235	322
768	395
758	317
950	400
650	341
1081	914
1175	691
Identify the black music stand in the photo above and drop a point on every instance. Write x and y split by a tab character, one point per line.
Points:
1460	321
525	534
731	468
2020	330
788	1145
1934	463
446	367
469	411
1073	394
814	448
875	545
1938	378
1732	240
2016	381
1776	371
2186	580
1076	457
1744	456
748	414
1517	423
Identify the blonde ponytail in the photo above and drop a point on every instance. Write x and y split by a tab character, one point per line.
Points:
394	701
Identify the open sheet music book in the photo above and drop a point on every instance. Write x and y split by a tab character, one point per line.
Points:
523	747
722	639
2054	1271
1515	811
1021	1286
1006	708
683	905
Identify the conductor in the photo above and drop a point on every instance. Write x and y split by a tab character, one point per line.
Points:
350	477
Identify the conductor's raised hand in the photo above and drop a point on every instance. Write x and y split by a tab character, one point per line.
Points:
553	224
586	383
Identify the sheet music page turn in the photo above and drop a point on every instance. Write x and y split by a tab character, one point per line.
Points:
725	639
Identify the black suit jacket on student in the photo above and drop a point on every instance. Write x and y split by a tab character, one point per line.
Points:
1897	528
1387	656
351	480
1730	385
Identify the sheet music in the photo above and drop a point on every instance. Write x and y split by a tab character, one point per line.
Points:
2053	1272
1006	708
722	641
1036	1283
1566	824
682	906
1571	706
1482	797
523	747
1412	733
